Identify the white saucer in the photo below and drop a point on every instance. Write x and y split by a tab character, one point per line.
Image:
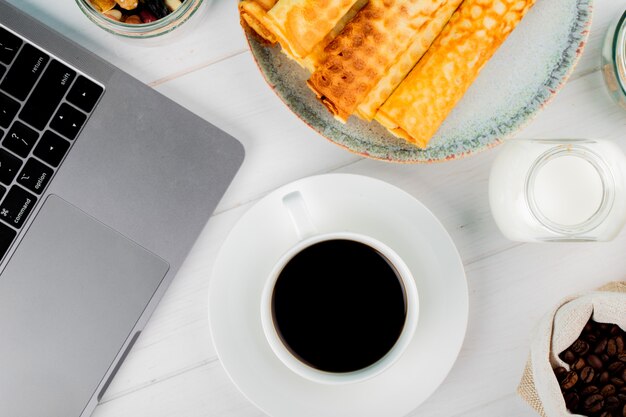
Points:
338	202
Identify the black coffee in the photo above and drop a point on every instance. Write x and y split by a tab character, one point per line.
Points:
339	306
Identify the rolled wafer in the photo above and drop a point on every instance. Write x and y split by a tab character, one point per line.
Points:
367	48
298	25
313	60
421	103
254	13
381	92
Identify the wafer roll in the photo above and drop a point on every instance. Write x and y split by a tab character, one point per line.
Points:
421	103
254	13
299	25
367	48
313	60
381	92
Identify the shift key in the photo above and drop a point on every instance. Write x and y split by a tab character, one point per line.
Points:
47	95
16	206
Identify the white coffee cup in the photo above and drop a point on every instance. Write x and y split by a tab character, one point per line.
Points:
308	236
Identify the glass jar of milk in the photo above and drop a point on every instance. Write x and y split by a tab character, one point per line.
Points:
559	190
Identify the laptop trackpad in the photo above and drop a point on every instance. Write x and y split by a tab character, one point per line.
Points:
69	298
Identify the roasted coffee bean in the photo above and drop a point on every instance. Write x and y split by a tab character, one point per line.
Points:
572	400
594	361
619	340
608	390
588	390
594	383
587	374
580	347
569	357
616	367
593	403
569	381
611	403
560	373
601	346
579	364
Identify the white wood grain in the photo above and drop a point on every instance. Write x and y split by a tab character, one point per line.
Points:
509	291
173	369
457	192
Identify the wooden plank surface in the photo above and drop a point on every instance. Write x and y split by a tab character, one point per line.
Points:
173	369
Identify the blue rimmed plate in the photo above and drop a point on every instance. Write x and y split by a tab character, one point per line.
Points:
526	72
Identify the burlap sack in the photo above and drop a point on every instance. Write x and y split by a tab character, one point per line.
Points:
555	333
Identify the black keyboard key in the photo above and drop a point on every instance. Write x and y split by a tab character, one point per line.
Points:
3	69
24	72
9	45
35	176
20	139
47	95
68	121
8	110
84	94
2	191
16	206
51	148
9	167
7	235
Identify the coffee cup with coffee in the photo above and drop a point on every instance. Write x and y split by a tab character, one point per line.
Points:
338	307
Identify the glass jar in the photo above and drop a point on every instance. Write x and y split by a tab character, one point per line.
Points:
559	190
159	28
614	60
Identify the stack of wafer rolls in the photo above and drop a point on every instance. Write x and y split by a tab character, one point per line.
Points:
421	103
423	38
360	57
403	63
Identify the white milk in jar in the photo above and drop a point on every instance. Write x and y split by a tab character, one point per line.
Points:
564	190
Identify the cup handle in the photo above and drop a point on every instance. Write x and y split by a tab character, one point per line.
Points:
299	214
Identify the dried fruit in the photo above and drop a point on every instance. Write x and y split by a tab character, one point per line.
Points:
128	4
173	4
103	5
133	20
114	14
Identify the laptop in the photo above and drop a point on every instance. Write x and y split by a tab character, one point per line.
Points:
104	187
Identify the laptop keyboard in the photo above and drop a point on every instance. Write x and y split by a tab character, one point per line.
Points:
44	103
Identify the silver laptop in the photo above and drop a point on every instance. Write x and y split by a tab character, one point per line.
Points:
104	187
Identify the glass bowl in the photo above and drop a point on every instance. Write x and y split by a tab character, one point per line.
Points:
155	29
614	60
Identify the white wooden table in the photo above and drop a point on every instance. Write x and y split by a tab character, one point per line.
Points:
173	370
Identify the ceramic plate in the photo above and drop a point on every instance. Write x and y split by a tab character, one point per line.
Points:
351	203
521	78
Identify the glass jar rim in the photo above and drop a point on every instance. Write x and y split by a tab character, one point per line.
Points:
139	29
619	52
608	187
